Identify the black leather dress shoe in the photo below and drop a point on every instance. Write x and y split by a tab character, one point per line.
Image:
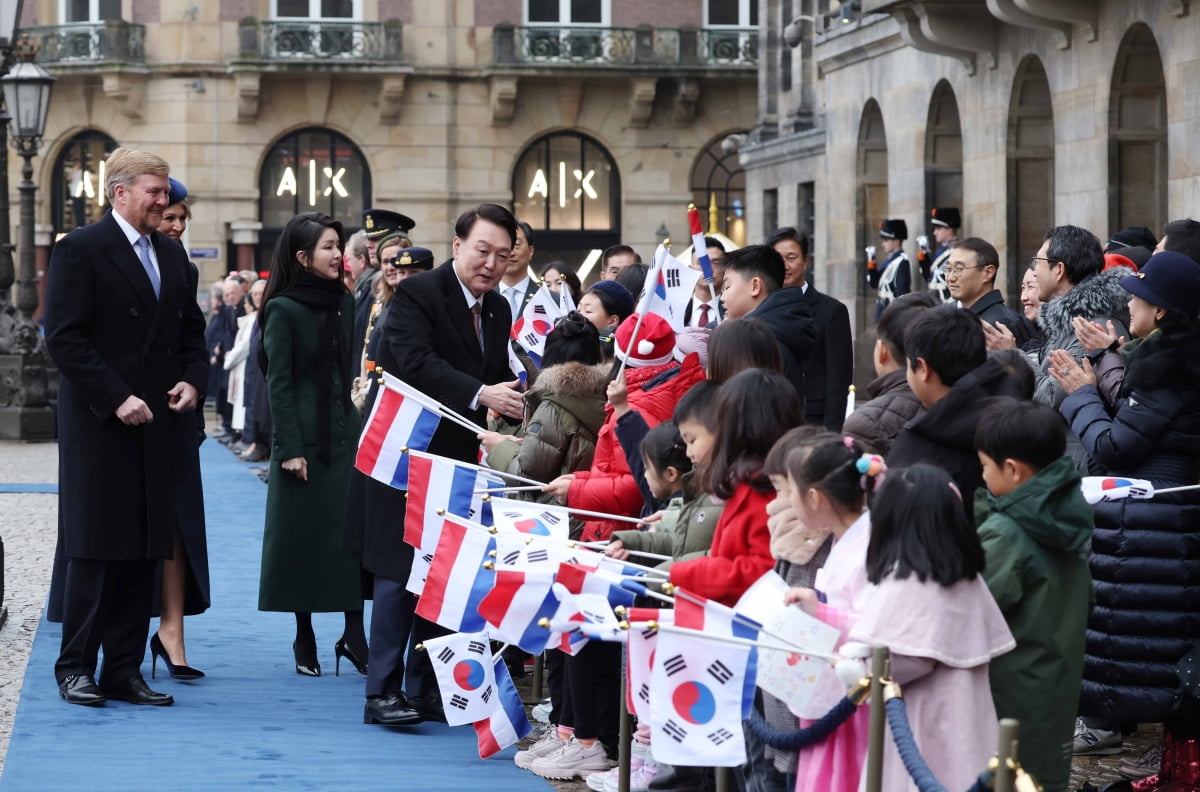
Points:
81	689
430	707
390	710
136	691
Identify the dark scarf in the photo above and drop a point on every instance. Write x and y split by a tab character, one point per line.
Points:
333	353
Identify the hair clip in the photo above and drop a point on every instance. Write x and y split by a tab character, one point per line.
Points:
870	465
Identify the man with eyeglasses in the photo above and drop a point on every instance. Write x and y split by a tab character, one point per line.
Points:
616	258
972	265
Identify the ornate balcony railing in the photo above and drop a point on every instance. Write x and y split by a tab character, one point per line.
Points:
311	41
644	46
114	41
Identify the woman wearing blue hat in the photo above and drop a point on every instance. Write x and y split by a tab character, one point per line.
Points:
183	585
1145	560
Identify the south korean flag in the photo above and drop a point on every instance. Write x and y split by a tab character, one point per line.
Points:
465	676
699	693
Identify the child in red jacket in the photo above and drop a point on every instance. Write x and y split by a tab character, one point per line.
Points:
753	409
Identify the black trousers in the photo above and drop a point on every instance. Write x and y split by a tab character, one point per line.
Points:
106	604
395	629
593	682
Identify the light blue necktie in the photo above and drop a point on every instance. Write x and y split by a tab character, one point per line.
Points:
143	245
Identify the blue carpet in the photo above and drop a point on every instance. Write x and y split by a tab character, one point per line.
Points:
253	723
48	489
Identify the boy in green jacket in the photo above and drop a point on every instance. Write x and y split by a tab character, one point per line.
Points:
1036	531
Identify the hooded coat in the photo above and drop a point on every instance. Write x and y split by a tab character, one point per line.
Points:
565	410
945	434
1036	540
685	530
790	318
609	486
1145	559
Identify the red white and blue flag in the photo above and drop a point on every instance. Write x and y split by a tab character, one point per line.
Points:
438	486
402	420
696	229
701	690
463	665
579	579
507	723
457	579
527	517
515	605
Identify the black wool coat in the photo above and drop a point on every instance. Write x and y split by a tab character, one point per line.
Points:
110	338
829	368
429	342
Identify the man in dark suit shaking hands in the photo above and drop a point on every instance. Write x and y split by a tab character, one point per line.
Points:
446	334
127	335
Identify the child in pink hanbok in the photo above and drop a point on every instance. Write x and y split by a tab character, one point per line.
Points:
830	479
929	604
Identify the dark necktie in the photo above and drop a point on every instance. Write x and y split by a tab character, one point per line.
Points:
477	320
704	307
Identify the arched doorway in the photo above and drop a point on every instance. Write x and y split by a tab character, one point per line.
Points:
1137	142
943	150
310	170
1030	167
871	167
77	181
718	179
567	187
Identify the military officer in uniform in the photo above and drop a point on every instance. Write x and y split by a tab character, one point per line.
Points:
946	221
377	223
894	277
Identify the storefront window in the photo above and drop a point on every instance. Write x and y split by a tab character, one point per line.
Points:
314	170
567	182
77	187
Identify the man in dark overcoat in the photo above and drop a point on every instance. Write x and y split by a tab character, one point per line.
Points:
127	335
446	334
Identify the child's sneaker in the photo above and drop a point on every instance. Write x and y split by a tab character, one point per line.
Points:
547	744
541	712
1094	742
639	780
607	782
572	760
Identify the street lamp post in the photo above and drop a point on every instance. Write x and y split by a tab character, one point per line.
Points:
25	412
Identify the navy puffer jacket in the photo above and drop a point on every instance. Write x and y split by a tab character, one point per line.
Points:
1145	559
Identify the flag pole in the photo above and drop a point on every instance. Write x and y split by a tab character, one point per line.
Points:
726	639
602	545
529	488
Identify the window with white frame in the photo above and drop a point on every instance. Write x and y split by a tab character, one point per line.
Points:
731	13
568	12
317	9
89	10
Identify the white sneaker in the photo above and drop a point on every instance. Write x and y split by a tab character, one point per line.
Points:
639	780
572	760
547	744
607	782
1095	742
541	712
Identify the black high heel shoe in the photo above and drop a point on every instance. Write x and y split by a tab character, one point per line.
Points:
306	666
183	672
342	649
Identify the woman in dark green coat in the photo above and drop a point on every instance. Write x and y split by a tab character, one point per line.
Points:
307	322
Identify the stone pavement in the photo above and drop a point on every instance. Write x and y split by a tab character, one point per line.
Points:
28	528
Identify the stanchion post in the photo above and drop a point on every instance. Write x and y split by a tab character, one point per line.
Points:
1010	732
725	779
624	740
879	657
539	671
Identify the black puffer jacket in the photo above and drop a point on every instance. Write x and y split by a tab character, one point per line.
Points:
1145	559
944	435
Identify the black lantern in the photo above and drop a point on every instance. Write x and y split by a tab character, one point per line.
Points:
27	94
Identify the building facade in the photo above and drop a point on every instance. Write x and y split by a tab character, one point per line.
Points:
596	120
1024	113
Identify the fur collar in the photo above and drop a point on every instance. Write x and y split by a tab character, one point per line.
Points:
572	379
1095	297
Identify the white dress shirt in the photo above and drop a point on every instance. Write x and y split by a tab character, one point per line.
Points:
133	236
